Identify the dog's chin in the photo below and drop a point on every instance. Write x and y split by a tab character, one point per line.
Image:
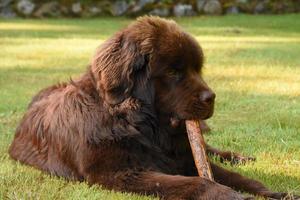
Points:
176	119
195	115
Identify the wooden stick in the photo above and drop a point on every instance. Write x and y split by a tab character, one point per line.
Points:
198	148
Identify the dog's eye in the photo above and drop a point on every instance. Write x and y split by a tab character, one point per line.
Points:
175	74
115	91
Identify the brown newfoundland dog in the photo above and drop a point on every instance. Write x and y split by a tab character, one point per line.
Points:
120	124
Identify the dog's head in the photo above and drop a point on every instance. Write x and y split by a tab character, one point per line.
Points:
157	51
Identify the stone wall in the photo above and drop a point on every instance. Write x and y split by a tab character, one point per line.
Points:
164	8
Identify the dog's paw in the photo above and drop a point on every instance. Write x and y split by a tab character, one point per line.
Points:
281	195
249	198
239	159
221	192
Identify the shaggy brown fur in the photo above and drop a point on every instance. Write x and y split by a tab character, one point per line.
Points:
112	125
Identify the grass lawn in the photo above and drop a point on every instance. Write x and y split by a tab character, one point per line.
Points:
252	63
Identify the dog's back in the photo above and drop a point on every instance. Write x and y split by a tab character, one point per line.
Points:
40	133
29	145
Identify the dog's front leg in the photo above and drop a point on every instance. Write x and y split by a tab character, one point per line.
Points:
239	182
162	185
232	157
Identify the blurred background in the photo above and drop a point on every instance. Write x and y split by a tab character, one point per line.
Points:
164	8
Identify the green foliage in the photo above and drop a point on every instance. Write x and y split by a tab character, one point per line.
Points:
252	63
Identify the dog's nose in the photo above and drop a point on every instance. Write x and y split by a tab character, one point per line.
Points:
207	97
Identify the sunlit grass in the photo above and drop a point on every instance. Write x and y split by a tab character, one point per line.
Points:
39	53
247	39
252	63
36	27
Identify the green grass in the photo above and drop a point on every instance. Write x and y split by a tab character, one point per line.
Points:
252	63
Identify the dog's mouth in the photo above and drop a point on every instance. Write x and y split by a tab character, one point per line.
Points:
176	119
206	115
202	113
191	111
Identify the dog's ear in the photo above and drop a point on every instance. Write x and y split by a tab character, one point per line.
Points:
120	65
